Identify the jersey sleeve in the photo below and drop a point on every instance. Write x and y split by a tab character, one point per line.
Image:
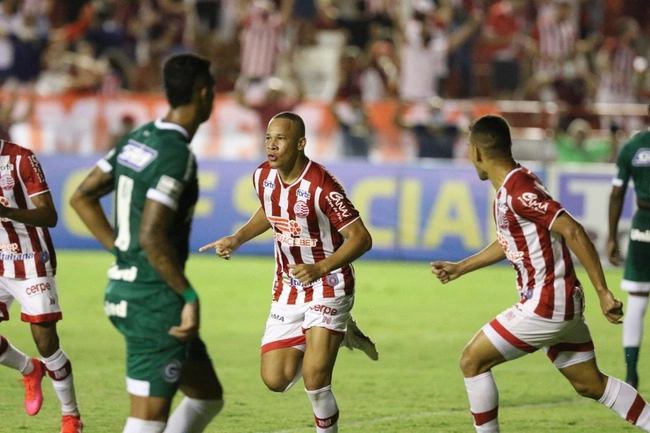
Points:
107	163
171	173
530	200
623	167
335	204
32	174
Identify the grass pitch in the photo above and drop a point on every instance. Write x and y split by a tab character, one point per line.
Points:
419	325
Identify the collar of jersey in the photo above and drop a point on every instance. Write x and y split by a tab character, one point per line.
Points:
161	124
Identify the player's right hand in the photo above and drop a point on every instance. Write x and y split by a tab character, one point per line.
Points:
190	319
223	247
445	271
613	252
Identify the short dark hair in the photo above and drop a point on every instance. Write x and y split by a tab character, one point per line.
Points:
183	74
492	134
295	119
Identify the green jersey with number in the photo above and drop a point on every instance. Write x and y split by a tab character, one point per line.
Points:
153	162
634	162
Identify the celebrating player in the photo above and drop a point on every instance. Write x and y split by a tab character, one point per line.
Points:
318	234
27	271
633	162
535	234
149	298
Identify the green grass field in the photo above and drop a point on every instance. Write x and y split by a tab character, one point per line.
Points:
419	325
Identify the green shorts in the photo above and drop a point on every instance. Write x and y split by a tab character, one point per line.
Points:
636	277
144	313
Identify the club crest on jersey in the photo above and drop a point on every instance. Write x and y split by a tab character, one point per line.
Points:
301	209
136	156
7	182
44	257
529	200
641	158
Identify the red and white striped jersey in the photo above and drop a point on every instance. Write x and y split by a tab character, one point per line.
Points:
25	251
524	213
617	79
260	45
306	218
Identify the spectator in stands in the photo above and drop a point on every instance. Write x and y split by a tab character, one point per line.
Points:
576	144
425	47
619	82
11	23
434	136
504	33
8	117
461	82
357	133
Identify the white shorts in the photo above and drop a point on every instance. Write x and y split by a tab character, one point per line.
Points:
517	332
37	297
287	324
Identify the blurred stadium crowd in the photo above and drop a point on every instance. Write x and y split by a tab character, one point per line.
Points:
270	55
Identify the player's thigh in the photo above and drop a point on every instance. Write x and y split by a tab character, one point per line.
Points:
320	357
150	408
479	355
586	378
198	378
144	314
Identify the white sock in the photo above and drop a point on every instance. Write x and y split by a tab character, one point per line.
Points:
193	415
136	425
483	402
633	323
326	412
14	358
60	371
627	402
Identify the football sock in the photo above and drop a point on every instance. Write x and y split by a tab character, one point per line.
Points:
633	334
60	371
326	412
14	358
193	415
136	425
625	401
483	402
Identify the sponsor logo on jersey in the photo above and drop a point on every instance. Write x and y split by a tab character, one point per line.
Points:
4	202
301	209
294	282
286	225
290	230
7	167
303	194
640	236
337	201
116	310
641	158
529	200
513	256
268	184
37	168
12	247
136	156
172	371
16	256
276	316
129	274
7	182
37	289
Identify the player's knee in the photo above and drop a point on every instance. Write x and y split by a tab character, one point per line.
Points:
276	383
593	389
468	364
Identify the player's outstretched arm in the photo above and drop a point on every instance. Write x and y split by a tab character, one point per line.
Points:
357	241
85	201
578	241
448	271
43	214
227	245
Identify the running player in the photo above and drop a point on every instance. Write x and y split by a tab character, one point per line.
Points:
149	298
318	234
536	235
633	163
27	274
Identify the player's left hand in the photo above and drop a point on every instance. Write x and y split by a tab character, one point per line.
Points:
306	274
189	327
611	307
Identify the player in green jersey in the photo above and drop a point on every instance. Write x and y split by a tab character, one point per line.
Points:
149	299
633	163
